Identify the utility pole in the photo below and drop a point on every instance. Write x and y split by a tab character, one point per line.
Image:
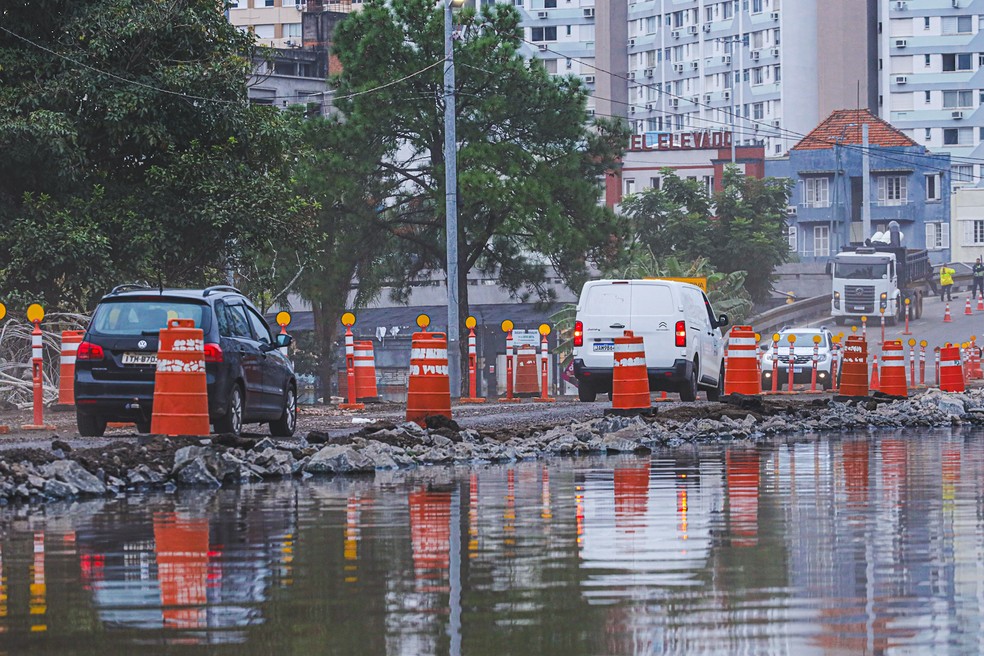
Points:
865	185
451	200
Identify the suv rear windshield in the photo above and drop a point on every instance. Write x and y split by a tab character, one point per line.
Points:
143	316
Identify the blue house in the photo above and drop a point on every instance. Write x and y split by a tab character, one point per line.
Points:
907	184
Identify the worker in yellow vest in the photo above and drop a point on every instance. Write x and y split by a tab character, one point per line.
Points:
946	282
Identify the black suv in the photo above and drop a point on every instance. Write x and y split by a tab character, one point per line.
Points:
249	379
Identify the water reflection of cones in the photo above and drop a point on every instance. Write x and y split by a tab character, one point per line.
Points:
182	550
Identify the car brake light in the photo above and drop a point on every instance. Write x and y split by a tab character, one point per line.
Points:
89	351
213	353
681	333
578	333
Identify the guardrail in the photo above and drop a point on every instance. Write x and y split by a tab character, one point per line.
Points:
772	320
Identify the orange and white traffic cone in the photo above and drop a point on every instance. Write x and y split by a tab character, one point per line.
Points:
854	368
180	392
946	315
741	372
70	340
874	385
893	369
365	372
526	372
951	372
429	388
967	308
980	302
630	378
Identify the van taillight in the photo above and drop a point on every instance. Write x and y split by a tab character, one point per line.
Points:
681	333
89	351
578	333
213	353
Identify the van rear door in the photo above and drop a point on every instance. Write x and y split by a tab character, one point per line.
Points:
654	315
605	311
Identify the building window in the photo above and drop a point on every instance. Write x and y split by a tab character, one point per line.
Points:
292	30
893	190
756	6
263	31
267	3
821	240
957	25
933	187
757	75
957	136
629	186
927	97
962	173
926	22
758	111
955	99
655	183
709	184
928	134
926	61
817	192
791	238
727	10
544	34
709	13
956	62
937	236
973	232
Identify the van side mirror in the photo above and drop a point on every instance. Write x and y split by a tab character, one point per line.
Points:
722	320
284	339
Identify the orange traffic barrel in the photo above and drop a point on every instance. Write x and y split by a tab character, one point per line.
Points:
893	369
365	373
951	370
180	392
854	367
527	372
630	378
741	369
70	340
429	389
975	361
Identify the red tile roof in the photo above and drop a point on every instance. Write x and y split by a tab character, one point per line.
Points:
844	126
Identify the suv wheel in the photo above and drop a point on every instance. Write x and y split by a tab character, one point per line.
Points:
689	391
586	392
285	426
232	422
90	425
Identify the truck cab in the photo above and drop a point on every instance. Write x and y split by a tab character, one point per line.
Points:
869	279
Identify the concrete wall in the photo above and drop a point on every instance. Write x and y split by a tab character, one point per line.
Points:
848	56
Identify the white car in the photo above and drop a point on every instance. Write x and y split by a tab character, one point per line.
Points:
681	334
803	358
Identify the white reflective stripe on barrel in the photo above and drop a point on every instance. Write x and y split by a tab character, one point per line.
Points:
950	363
742	354
69	347
349	344
429	354
364	363
67	359
741	341
630	347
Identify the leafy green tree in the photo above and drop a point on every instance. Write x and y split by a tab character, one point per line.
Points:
130	148
672	220
529	170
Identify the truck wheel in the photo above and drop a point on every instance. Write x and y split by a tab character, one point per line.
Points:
689	391
586	392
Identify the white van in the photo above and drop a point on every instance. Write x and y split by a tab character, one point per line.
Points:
682	337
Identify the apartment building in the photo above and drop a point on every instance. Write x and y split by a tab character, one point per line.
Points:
277	23
932	77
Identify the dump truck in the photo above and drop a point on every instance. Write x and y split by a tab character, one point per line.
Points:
877	275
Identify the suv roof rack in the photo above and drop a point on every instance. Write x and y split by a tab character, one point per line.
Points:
129	287
220	288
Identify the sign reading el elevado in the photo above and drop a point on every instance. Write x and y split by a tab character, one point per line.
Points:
698	140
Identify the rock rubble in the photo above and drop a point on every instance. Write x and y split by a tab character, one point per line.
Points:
168	463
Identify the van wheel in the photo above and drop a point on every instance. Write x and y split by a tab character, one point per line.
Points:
689	391
715	394
586	393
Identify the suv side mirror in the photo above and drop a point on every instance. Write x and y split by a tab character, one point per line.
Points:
284	339
722	320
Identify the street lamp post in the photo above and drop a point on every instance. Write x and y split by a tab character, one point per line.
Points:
451	199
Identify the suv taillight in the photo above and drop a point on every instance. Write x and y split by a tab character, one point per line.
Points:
89	351
213	353
681	333
578	333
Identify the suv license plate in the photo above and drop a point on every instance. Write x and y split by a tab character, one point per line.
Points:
604	346
140	358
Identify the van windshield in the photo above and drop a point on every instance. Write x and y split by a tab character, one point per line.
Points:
860	270
143	316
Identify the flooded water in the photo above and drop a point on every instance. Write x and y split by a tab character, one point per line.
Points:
844	545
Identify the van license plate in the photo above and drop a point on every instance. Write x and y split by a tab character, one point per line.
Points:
140	358
604	346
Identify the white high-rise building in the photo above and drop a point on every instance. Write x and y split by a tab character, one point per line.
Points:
932	62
